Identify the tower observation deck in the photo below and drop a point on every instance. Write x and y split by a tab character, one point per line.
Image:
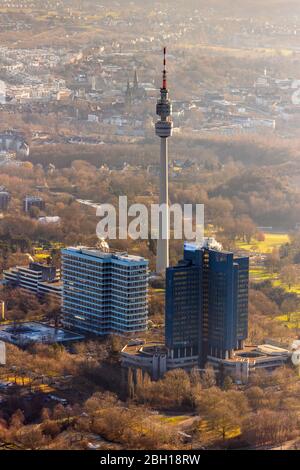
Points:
163	129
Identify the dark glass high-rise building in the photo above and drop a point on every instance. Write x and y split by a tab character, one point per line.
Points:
184	307
207	303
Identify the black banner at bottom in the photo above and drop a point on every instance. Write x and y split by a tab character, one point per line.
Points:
144	459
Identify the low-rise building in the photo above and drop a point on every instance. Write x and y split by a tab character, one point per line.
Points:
153	358
40	279
33	201
4	200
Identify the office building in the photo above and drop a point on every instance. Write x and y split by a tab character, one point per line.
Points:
206	318
104	292
153	358
183	308
207	303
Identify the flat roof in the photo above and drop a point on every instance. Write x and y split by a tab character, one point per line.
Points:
144	348
57	284
272	350
93	252
35	332
249	354
252	354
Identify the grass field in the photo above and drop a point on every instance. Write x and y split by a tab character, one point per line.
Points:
272	240
212	433
294	289
260	274
207	430
291	321
174	419
27	382
39	257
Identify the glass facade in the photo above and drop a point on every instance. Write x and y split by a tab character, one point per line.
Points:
207	304
104	293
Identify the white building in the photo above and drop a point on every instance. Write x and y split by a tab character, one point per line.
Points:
104	293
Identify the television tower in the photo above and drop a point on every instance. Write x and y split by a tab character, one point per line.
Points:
163	129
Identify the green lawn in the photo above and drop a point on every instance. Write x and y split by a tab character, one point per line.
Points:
259	274
294	289
292	322
272	240
174	419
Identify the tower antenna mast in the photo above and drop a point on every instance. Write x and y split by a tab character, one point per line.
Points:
163	129
165	70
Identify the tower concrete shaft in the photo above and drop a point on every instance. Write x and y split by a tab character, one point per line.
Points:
163	129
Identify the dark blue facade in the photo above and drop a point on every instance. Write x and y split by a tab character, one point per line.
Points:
207	304
183	307
221	305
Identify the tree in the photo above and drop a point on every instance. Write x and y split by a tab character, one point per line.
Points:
289	306
31	438
290	275
177	385
224	410
260	237
269	427
17	420
208	378
255	396
228	382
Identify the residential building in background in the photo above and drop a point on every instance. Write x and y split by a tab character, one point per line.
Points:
104	292
4	199
33	201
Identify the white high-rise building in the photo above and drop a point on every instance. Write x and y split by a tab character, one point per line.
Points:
103	292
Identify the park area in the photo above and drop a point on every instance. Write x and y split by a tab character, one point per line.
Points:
271	241
259	271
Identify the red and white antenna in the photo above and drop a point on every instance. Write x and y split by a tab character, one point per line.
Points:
165	70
